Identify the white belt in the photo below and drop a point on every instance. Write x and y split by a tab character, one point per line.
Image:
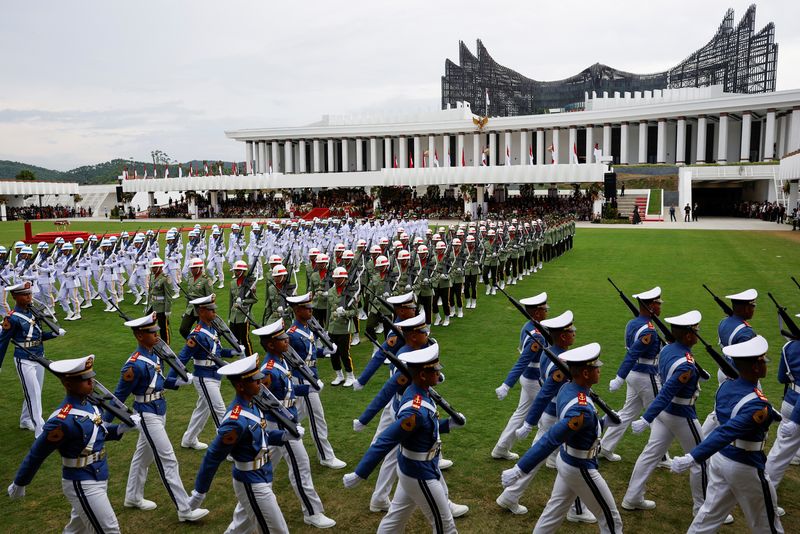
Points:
83	461
150	397
254	465
794	387
581	453
750	446
30	344
534	365
158	298
645	361
288	403
204	363
421	456
684	402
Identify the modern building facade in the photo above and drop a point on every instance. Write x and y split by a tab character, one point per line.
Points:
737	57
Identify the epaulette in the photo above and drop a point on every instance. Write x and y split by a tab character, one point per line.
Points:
293	329
64	412
235	412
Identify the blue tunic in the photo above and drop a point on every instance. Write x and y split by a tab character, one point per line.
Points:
643	346
202	340
530	355
679	380
21	326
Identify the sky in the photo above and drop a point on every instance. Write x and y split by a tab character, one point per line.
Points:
85	82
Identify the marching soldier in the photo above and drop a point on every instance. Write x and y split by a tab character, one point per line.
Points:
472	269
242	299
341	310
77	431
197	286
423	285
318	285
274	305
22	326
490	263
379	286
457	279
159	296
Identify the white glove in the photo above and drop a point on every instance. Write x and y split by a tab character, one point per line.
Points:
340	311
320	384
181	382
523	431
330	351
787	429
16	492
426	280
682	463
357	426
502	391
357	386
456	424
238	301
280	310
509	476
289	437
385	294
639	425
241	350
137	419
408	287
61	332
616	383
196	500
351	480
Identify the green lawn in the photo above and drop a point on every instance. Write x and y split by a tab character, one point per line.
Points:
477	352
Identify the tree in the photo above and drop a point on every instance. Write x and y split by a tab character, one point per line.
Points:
160	157
26	175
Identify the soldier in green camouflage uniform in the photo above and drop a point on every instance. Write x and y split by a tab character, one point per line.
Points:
159	296
490	261
457	276
442	283
241	301
341	311
197	285
423	285
275	306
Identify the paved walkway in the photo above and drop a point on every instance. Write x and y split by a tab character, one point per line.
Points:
705	223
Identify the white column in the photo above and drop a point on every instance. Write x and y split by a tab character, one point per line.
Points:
248	155
507	148
524	151
556	154
769	136
345	155
661	141
794	136
331	156
264	158
782	135
540	147
192	206
606	139
288	163
214	201
387	153
373	154
590	144
722	147
700	158
680	142
623	143
402	156
3	213
572	148
744	148
418	153
301	160
492	149
642	141
444	157
432	150
359	154
317	157
151	198
476	150
461	156
275	156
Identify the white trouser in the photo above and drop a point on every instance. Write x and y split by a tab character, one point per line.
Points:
31	376
431	498
388	471
208	395
296	457
45	292
91	510
153	437
86	284
106	290
514	492
642	388
311	407
783	449
68	296
731	483
528	390
4	308
256	511
137	281
711	423
591	488
666	428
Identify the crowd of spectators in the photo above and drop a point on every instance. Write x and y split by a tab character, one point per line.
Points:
766	211
538	206
32	213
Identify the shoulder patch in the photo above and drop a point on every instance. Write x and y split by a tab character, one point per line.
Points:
535	346
134	356
391	341
558	376
129	374
56	435
650	325
402	380
417	402
759	394
575	423
647	338
235	412
197	328
270	365
689	357
409	423
293	329
685	377
6	324
759	416
191	343
64	411
582	399
230	437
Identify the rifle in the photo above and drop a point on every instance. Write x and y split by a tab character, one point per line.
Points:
403	368
721	303
161	349
313	324
796	282
246	288
724	365
560	365
100	397
219	325
267	402
786	318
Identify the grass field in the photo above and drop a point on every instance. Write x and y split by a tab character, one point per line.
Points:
477	352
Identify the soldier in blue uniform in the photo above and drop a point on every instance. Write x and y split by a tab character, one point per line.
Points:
526	370
202	342
243	435
735	450
733	329
303	341
416	432
21	326
77	431
141	377
577	434
638	370
278	378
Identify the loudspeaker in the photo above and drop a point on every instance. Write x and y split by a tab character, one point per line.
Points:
119	194
610	183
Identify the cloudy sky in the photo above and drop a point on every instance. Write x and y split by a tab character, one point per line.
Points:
85	82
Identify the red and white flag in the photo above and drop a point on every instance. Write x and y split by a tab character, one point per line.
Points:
410	160
574	155
235	170
205	168
270	167
144	171
166	171
483	157
220	169
125	173
180	171
530	154
463	159
508	155
135	173
395	162
155	171
487	100
435	158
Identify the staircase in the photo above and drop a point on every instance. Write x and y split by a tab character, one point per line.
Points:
322	213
